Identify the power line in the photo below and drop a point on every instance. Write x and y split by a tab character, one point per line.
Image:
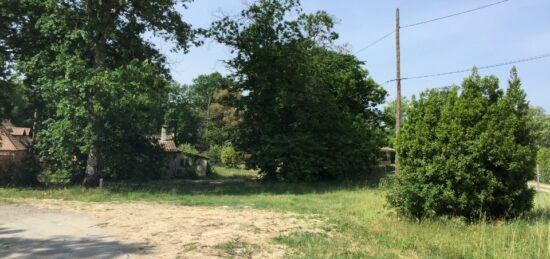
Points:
455	14
428	21
376	41
469	69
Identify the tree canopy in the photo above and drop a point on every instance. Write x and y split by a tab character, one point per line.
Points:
309	112
196	112
96	84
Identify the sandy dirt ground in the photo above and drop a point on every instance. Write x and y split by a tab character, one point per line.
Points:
145	230
541	187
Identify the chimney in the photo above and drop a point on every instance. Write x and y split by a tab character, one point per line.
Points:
163	134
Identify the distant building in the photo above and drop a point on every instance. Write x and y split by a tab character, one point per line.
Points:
179	164
389	156
14	143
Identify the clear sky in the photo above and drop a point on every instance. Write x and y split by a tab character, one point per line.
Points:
512	30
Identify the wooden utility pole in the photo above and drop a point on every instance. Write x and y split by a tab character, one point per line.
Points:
398	80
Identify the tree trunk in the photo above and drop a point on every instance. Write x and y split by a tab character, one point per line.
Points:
101	15
92	174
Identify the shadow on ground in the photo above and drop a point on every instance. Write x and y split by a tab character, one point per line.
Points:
215	185
12	246
246	186
537	215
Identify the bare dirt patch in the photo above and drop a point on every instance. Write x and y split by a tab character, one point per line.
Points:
541	187
171	231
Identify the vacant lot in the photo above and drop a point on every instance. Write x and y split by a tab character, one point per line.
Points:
342	220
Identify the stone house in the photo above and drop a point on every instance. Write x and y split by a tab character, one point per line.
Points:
179	164
14	143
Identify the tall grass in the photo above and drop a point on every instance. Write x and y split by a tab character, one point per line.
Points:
359	223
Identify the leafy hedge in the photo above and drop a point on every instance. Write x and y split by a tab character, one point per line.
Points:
466	153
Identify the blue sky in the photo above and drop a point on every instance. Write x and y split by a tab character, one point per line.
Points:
508	31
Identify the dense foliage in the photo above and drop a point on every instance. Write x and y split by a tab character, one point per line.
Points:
309	112
467	152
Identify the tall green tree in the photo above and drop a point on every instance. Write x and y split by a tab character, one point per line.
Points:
6	88
467	153
190	113
202	91
202	95
99	84
309	112
182	116
225	119
6	64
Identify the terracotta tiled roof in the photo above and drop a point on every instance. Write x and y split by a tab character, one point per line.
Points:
13	138
9	142
169	145
16	131
7	124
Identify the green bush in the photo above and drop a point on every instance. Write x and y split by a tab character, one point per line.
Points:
214	153
230	157
467	154
189	149
543	160
59	177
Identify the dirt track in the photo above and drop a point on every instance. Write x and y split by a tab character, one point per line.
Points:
142	230
539	187
30	232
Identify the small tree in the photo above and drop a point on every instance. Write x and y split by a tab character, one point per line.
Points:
467	153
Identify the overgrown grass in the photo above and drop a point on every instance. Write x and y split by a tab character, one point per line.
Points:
355	212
